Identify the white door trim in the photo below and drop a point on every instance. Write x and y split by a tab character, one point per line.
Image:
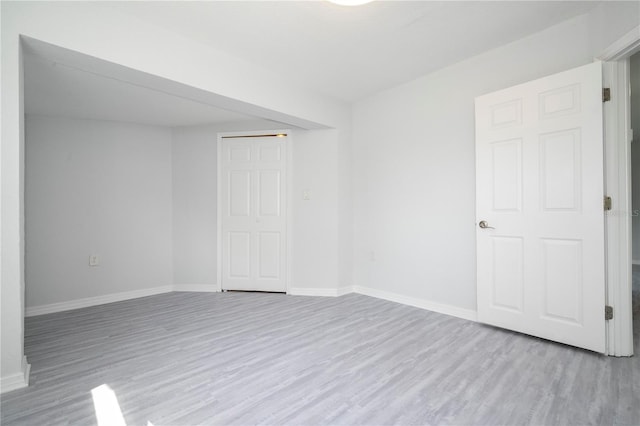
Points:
288	207
618	220
618	186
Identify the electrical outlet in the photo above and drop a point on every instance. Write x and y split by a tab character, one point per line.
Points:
306	195
93	260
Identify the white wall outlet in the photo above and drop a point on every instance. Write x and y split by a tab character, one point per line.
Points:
306	195
93	260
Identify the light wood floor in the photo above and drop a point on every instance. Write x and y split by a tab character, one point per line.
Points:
251	358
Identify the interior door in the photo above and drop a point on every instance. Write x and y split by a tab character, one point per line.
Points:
253	196
539	201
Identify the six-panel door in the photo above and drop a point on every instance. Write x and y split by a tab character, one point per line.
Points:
253	213
539	177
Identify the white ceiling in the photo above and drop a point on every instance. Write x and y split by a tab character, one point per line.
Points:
343	52
55	89
352	52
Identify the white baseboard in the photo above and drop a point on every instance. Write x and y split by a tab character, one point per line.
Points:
93	301
441	308
455	311
204	288
324	292
18	380
341	291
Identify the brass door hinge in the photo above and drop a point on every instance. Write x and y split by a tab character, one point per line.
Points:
607	203
606	94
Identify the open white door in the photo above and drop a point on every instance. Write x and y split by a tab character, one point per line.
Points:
539	202
253	213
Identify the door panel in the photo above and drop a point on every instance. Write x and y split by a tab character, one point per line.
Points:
563	280
270	152
253	174
507	175
563	100
240	153
508	273
268	193
239	193
269	255
560	170
539	174
239	249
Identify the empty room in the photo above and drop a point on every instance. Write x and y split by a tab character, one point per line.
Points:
319	213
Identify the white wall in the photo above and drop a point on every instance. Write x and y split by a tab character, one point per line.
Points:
635	156
96	187
123	39
609	21
316	246
194	159
414	162
346	217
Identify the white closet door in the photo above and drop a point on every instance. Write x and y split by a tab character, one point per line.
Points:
539	200
254	213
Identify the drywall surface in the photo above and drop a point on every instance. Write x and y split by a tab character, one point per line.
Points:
345	205
96	188
635	156
315	221
414	167
609	21
13	368
194	164
125	40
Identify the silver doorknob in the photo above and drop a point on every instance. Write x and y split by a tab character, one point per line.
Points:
485	225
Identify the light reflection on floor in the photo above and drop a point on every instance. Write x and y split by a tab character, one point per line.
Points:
108	411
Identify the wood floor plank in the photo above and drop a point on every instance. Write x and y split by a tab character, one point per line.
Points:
256	358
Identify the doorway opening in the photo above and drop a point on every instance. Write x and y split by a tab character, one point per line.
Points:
618	185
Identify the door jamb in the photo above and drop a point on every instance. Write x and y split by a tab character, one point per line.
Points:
618	186
288	207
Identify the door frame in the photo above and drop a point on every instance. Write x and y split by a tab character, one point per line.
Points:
288	207
619	330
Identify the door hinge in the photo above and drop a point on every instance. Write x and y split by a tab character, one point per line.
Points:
608	313
607	203
606	94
